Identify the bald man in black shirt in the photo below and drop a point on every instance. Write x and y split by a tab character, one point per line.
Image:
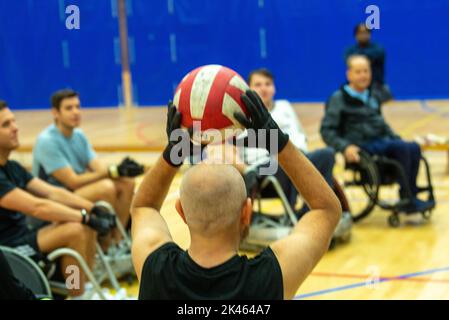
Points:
214	205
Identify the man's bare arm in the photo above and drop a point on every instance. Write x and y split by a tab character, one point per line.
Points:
71	180
149	229
309	240
43	209
40	188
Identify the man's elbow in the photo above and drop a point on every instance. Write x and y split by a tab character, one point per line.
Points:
335	210
135	205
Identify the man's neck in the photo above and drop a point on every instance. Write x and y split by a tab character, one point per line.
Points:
4	156
209	253
66	131
363	45
359	90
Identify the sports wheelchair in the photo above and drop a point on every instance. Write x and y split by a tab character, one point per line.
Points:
371	174
268	227
110	266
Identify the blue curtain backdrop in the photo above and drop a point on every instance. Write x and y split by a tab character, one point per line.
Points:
302	41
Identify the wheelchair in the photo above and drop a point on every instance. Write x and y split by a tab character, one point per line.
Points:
109	266
28	272
267	227
366	180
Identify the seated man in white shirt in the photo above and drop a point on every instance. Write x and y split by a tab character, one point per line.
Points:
262	81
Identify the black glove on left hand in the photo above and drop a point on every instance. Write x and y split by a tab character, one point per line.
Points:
179	145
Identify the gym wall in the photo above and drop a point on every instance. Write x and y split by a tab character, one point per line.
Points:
302	42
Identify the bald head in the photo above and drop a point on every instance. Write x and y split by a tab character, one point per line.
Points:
212	197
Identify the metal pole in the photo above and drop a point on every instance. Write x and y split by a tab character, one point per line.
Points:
124	50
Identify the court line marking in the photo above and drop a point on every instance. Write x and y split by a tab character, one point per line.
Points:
364	283
411	127
366	276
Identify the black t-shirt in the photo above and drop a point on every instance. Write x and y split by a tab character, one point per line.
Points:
12	223
170	273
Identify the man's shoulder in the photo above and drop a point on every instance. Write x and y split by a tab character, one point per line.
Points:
48	135
267	253
282	108
376	46
351	49
282	103
10	167
160	256
336	95
15	165
336	100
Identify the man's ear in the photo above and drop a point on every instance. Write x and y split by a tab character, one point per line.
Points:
348	74
247	212
179	210
54	112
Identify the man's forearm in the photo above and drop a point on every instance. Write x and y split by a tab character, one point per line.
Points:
307	180
51	211
70	199
155	185
86	178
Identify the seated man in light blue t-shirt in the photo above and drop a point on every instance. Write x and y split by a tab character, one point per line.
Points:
64	157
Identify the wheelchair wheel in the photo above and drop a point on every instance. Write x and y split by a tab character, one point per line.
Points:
427	215
394	220
362	187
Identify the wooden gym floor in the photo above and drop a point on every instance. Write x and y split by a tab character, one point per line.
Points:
410	262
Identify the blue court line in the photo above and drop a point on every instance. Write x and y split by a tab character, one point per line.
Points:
361	284
425	107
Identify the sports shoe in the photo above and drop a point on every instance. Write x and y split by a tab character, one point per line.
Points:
418	205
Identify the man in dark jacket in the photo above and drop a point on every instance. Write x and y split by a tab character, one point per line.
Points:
353	121
376	56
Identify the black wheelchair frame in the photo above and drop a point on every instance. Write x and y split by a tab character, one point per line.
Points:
373	172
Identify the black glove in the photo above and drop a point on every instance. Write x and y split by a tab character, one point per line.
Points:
127	168
260	118
180	146
101	218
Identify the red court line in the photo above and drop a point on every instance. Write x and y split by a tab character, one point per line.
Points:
141	135
366	276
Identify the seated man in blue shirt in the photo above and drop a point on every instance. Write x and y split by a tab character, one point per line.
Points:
376	56
353	121
64	157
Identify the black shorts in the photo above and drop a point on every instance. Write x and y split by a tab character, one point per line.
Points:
27	245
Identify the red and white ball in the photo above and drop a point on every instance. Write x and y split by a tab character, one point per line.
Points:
210	95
